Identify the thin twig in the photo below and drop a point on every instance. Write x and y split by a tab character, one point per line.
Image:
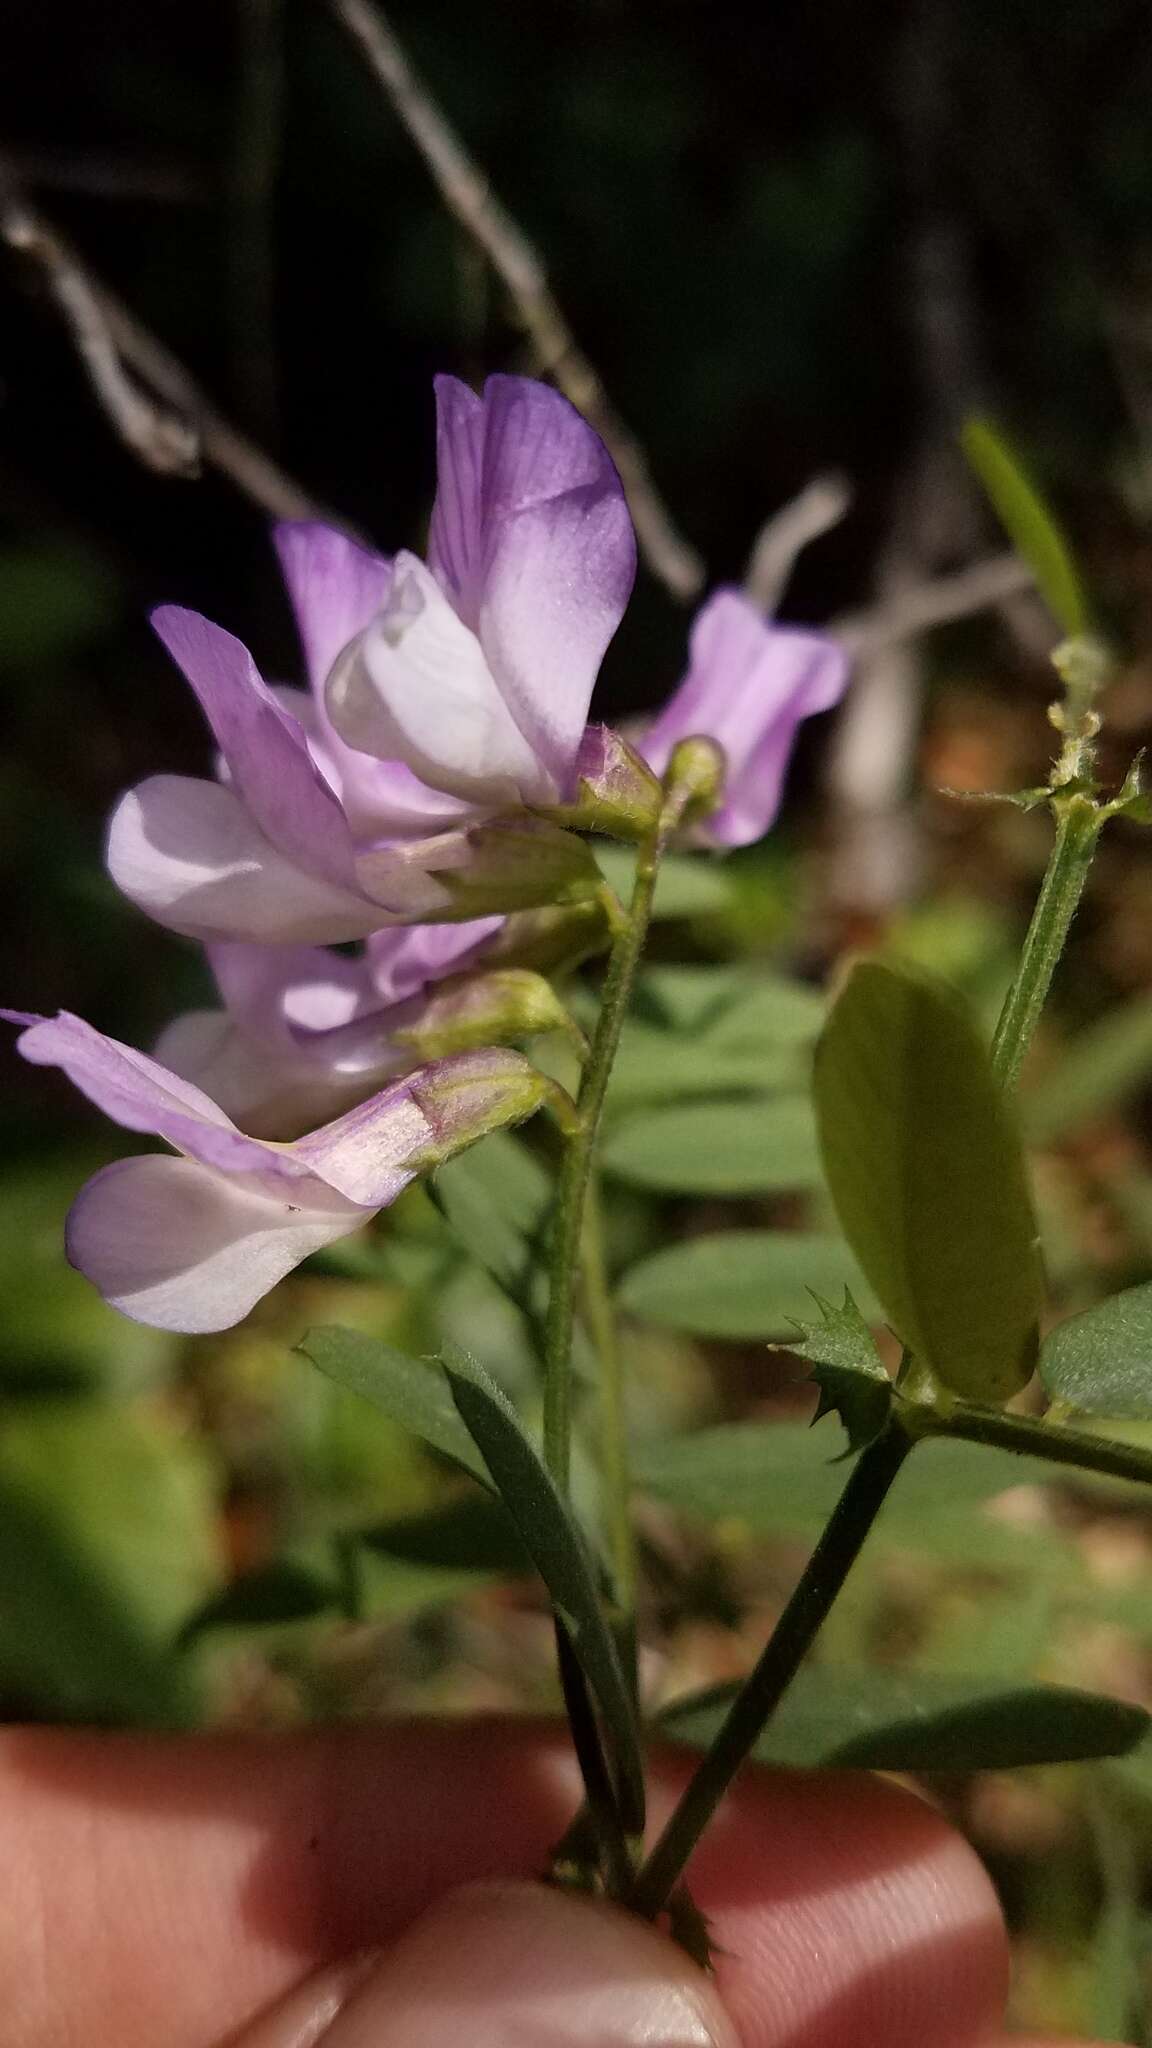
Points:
937	601
161	438
468	194
257	145
820	506
137	380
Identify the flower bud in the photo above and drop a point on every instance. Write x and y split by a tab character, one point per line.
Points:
694	779
556	937
616	792
467	1096
484	1009
513	863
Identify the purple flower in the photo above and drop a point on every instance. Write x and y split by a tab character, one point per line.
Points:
192	1243
470	680
749	685
477	670
305	1033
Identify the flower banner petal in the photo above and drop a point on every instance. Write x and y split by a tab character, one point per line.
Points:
335	586
557	566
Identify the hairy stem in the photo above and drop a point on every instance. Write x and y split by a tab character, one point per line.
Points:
614	1460
1037	1438
762	1691
576	1168
1078	822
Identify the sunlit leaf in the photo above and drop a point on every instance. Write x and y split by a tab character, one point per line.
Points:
925	1166
1028	521
882	1720
739	1283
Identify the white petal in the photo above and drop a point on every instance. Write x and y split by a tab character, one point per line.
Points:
190	854
171	1243
415	687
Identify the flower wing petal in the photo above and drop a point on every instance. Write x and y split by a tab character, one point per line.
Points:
190	853
265	747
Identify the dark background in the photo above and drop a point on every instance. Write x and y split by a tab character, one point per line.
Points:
789	237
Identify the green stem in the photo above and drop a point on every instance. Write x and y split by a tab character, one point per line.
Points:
763	1689
615	1469
1036	1438
576	1168
1078	822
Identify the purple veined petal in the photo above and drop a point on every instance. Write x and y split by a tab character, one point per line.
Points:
455	536
416	688
191	855
267	754
371	1153
335	586
172	1243
749	685
138	1093
556	566
402	962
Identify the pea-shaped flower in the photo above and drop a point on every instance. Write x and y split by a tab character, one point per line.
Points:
443	698
192	1242
749	685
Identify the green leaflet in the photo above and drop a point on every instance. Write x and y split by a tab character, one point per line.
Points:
739	1283
758	1146
925	1166
1100	1362
411	1391
1029	523
553	1540
920	1721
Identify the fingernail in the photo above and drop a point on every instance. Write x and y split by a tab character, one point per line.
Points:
305	2016
523	1966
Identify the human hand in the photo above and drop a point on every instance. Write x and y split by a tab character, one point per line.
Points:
268	1893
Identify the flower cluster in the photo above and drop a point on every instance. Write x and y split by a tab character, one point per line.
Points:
426	792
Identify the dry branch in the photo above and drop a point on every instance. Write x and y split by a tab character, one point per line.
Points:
153	402
468	195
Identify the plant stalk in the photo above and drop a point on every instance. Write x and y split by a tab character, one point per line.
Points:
576	1167
1037	1438
615	1465
1078	822
762	1691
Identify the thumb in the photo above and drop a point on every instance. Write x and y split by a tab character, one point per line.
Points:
509	1966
